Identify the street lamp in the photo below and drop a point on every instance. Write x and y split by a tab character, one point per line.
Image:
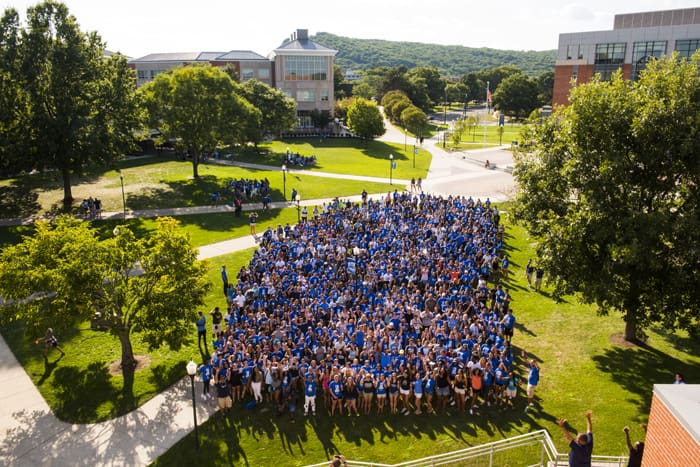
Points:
121	179
298	200
284	182
191	371
391	169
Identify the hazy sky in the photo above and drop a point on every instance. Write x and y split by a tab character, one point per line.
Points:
137	28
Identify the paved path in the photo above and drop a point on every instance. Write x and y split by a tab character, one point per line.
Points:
30	435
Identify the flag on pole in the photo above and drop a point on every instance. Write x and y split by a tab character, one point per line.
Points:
488	92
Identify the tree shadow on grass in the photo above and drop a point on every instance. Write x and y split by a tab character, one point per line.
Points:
18	200
80	393
638	368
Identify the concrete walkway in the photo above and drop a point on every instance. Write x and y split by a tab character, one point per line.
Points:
30	435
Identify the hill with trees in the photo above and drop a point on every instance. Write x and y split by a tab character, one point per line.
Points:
452	60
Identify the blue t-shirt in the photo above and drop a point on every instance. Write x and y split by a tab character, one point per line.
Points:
533	376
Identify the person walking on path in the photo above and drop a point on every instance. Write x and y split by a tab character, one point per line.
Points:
252	219
582	445
50	342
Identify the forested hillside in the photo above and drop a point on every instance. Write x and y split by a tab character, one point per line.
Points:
452	60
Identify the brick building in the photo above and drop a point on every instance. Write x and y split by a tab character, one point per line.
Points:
634	39
673	433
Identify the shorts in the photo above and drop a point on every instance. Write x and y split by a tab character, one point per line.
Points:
381	396
405	392
418	395
443	391
511	393
216	328
459	390
531	390
225	402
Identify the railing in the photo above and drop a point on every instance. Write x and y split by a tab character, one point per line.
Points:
547	453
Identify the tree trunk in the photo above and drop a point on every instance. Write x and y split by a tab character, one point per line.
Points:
128	360
195	165
630	328
67	194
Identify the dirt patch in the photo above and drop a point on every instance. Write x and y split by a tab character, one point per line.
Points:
619	339
142	361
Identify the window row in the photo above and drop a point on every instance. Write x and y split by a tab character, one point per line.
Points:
301	68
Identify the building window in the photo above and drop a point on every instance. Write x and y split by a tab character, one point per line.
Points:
573	51
608	59
264	73
687	47
574	73
642	52
306	95
247	73
142	74
324	94
303	68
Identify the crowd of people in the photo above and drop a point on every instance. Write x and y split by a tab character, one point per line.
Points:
299	160
375	307
240	190
91	208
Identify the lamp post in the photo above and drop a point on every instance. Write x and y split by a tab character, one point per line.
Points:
191	371
298	200
284	182
391	169
121	179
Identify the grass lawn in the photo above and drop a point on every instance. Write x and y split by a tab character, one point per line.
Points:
474	138
346	156
80	389
584	365
165	183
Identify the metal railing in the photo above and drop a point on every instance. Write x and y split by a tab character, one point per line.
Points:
547	453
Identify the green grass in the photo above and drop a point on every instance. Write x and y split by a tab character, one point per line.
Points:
346	156
160	183
79	387
582	367
475	139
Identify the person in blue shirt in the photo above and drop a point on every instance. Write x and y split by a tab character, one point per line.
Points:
382	385
224	279
336	387
206	371
202	333
310	394
418	392
582	446
533	379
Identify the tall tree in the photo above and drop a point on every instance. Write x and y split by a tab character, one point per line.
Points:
414	119
433	82
545	87
516	96
81	106
278	112
611	191
150	285
199	107
365	120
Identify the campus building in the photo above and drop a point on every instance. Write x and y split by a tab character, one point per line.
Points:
300	67
633	41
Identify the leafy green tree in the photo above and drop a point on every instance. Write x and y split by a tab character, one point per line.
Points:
476	88
150	285
364	90
471	122
278	112
457	92
199	107
396	109
432	84
545	87
389	99
414	119
516	96
76	107
458	130
365	120
495	76
338	82
611	190
320	118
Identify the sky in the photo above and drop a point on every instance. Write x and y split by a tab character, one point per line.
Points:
137	28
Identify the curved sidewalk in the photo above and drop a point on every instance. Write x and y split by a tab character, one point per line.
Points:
32	436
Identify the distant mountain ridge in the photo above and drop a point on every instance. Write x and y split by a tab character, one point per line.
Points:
452	60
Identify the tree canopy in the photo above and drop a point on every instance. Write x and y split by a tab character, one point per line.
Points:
199	107
610	188
364	119
516	96
74	106
278	112
150	285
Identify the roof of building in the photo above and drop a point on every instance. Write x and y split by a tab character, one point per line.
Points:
233	55
683	400
303	44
